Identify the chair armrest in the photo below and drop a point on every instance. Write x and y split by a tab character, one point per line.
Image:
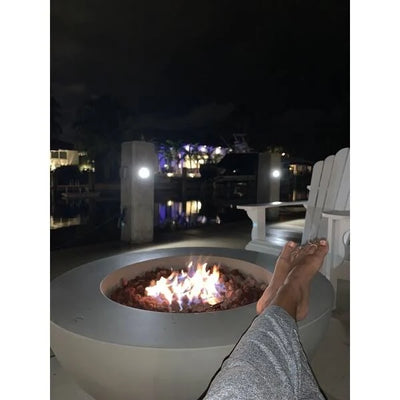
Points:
336	215
338	231
272	205
256	212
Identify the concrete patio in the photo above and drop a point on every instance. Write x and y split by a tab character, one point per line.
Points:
331	363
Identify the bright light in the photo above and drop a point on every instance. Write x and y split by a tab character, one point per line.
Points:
283	154
144	172
276	173
218	150
169	174
191	175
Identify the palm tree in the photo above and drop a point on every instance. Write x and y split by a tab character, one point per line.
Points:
193	154
174	152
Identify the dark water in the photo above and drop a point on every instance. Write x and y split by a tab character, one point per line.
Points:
188	213
84	221
88	221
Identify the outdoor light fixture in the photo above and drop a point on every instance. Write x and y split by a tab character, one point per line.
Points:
144	172
276	173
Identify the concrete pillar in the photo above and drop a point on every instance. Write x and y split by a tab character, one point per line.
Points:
138	164
268	185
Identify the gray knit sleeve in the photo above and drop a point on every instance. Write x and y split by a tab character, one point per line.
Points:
267	363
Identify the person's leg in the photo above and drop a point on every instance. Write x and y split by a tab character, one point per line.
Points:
293	295
283	266
269	362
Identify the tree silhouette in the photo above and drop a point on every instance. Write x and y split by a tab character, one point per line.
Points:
55	115
100	129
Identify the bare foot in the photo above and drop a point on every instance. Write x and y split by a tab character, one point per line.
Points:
283	266
308	260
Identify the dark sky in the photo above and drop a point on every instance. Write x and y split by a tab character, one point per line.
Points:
275	70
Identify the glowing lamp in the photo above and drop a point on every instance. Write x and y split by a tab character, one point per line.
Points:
276	173
144	172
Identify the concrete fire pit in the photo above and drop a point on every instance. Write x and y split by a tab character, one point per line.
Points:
118	352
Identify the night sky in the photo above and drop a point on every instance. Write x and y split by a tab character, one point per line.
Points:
277	71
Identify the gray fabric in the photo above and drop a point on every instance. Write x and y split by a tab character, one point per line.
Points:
267	363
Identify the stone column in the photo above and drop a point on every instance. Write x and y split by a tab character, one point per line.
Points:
268	185
138	165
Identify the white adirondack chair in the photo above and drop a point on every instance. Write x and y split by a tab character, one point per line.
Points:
327	214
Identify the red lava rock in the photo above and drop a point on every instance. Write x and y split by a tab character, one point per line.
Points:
237	290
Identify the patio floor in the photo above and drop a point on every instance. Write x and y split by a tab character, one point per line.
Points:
331	364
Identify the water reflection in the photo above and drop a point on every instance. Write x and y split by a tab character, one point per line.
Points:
299	195
64	213
168	214
64	222
174	214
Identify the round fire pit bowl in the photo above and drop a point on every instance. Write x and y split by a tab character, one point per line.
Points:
118	352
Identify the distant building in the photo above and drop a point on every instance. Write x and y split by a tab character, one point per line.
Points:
64	154
298	166
172	160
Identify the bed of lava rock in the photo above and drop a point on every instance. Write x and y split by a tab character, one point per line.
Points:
240	290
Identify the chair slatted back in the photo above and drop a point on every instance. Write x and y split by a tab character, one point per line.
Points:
343	198
312	199
329	190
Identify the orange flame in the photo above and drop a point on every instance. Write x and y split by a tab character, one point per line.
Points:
202	286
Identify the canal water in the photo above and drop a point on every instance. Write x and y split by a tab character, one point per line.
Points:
87	221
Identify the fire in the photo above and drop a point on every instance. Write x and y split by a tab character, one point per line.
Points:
194	286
